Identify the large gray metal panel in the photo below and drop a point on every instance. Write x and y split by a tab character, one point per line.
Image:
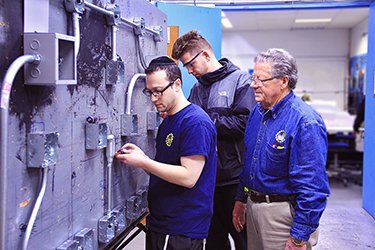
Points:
75	197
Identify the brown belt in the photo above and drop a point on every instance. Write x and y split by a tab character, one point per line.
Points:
258	198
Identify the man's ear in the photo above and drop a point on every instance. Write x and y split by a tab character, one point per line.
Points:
285	82
206	54
178	84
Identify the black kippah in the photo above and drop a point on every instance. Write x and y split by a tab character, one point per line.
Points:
163	60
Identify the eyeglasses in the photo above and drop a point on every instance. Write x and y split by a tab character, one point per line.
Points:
157	93
190	62
262	81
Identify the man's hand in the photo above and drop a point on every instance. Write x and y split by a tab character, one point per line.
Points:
131	155
291	244
239	215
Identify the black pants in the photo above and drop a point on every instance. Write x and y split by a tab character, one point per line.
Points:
221	222
157	241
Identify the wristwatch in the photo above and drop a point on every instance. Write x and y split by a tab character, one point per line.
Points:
297	242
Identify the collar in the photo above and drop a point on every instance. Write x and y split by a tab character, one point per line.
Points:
227	68
276	109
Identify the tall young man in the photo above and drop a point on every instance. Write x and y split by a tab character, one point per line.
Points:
224	92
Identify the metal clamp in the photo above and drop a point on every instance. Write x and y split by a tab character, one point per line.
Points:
140	26
114	19
77	6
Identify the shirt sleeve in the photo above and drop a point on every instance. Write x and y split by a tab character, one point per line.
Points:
197	139
241	195
308	178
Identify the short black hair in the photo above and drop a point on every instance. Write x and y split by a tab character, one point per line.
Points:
167	64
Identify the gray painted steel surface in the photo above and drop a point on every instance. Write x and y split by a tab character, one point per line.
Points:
75	197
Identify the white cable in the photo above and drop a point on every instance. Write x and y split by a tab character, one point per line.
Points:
129	93
114	44
76	31
4	106
110	153
38	202
166	242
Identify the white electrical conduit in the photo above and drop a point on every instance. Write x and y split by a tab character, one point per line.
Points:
4	106
36	207
129	93
114	48
111	13
110	153
76	32
99	9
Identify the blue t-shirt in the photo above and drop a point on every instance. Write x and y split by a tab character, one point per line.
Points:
177	210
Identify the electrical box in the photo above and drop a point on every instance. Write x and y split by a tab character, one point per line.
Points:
142	193
85	239
69	245
120	218
58	60
95	135
106	228
153	120
115	72
129	124
42	150
133	206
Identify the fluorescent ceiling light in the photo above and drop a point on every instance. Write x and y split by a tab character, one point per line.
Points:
226	23
313	20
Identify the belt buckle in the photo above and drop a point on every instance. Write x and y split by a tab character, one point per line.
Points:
267	198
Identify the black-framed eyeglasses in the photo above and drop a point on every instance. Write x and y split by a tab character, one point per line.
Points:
189	63
262	81
157	93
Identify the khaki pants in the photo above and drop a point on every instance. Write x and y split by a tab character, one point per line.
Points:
268	225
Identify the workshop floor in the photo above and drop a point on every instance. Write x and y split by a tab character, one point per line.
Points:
345	225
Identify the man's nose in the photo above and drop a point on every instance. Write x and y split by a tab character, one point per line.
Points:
254	84
153	98
190	70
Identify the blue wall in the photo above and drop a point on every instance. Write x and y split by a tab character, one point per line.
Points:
206	20
369	147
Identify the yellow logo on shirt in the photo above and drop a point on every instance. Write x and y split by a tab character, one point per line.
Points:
169	140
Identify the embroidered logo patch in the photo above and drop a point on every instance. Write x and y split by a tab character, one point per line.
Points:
169	140
280	139
280	136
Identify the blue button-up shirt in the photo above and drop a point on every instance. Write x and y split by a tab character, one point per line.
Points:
286	150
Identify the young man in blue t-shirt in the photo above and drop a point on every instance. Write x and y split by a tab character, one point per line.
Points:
182	176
